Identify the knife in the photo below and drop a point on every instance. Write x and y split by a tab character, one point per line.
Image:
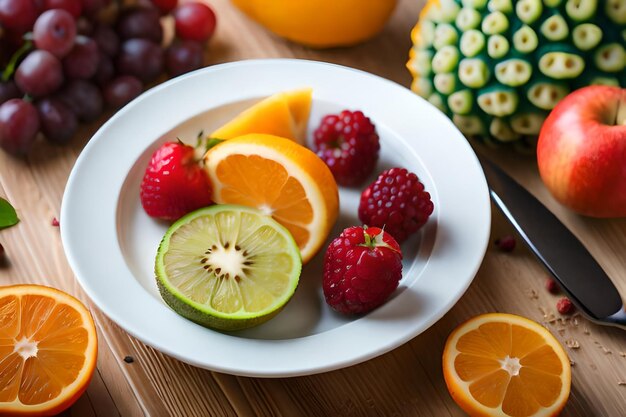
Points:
566	258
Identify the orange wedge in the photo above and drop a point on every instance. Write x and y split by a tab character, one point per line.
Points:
506	365
283	114
48	350
280	178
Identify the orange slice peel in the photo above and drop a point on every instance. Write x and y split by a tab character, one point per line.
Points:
284	114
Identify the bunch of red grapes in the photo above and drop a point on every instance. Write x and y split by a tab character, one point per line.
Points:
65	61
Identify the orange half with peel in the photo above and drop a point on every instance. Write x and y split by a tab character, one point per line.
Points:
506	366
280	178
48	350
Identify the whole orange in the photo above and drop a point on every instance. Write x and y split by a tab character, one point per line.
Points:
320	23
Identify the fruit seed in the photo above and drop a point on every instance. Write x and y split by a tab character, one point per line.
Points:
565	306
552	286
505	243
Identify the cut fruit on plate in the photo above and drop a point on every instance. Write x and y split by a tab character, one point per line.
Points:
48	350
280	178
227	267
506	365
283	114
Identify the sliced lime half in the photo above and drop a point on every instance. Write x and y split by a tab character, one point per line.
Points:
227	267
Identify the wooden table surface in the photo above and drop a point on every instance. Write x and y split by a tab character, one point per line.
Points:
404	382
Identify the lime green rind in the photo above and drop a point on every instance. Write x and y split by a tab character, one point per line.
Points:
198	316
204	314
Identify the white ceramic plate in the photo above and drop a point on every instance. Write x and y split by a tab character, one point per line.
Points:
111	243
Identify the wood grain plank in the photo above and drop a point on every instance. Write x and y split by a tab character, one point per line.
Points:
30	241
165	386
44	262
125	399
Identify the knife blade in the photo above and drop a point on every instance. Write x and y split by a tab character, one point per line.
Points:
561	252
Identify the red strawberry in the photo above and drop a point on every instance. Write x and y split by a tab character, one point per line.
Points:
362	267
174	183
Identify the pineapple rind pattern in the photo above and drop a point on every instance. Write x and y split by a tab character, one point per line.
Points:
497	67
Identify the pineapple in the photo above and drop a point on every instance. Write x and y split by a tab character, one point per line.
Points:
497	67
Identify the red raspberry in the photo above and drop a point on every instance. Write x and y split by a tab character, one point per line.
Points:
565	306
362	267
397	202
349	145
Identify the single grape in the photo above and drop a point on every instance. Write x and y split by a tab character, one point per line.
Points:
122	90
106	70
106	39
194	21
82	61
141	58
58	122
55	31
74	7
83	99
140	22
8	90
184	56
39	74
19	124
18	15
165	6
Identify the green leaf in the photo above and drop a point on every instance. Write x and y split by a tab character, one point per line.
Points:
8	216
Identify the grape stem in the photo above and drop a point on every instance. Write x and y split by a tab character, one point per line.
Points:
11	66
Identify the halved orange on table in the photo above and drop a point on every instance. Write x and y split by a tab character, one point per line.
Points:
506	365
284	114
281	179
48	350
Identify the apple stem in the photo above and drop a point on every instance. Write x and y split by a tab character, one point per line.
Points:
620	118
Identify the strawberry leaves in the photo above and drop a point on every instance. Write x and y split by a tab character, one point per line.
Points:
8	216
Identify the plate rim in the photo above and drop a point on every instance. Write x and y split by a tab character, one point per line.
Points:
67	225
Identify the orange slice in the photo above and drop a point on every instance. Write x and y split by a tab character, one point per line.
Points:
280	178
506	365
48	350
283	114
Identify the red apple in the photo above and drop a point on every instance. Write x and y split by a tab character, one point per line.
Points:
582	151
